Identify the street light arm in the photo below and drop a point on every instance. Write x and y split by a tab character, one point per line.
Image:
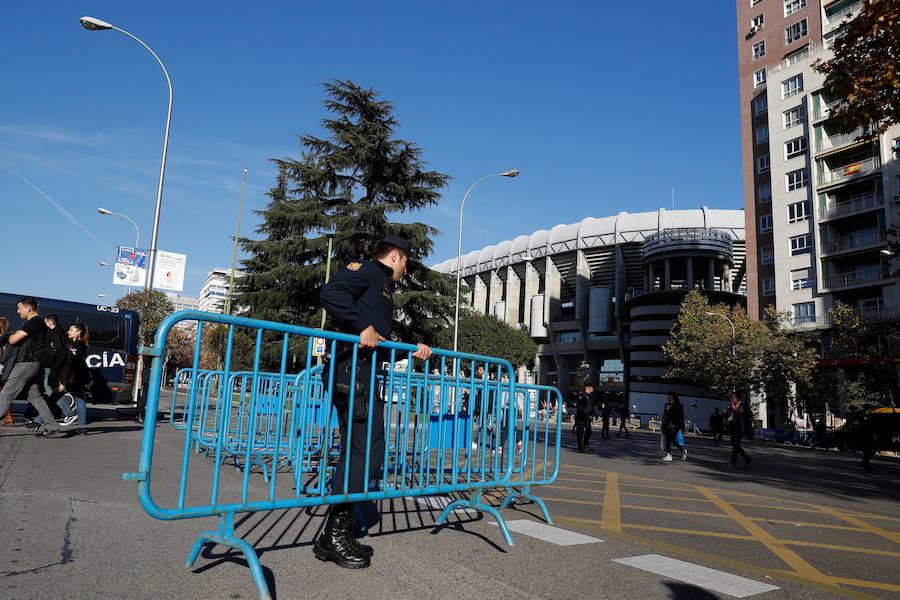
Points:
511	173
733	335
130	220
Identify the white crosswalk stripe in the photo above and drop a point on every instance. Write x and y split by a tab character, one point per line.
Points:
703	577
554	535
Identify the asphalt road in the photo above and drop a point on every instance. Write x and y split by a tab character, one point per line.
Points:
796	524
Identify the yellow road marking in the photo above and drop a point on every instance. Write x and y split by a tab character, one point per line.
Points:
870	584
891	535
718	534
803	524
611	517
835	547
577	489
787	575
676	511
790	557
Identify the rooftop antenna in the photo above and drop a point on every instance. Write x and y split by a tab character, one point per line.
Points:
673	199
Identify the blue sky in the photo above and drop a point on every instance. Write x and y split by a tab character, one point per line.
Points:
603	107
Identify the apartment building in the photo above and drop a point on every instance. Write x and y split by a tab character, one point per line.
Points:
817	203
215	290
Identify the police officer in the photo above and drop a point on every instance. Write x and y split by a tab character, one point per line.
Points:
359	300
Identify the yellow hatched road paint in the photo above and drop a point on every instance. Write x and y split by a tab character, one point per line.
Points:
775	573
791	558
891	535
836	547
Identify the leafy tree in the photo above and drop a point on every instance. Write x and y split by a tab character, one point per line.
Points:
489	336
152	307
348	187
864	74
762	356
242	347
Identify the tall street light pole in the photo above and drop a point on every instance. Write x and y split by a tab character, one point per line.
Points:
237	235
733	339
93	24
511	173
137	241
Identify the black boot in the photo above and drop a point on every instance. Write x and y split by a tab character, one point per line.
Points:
336	544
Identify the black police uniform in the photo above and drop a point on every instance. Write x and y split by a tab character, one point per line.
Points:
359	295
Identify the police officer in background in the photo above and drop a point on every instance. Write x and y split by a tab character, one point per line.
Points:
359	300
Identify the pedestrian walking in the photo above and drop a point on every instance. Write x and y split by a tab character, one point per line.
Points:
74	378
584	411
359	300
7	361
735	425
672	425
604	417
867	438
716	426
820	434
624	414
26	374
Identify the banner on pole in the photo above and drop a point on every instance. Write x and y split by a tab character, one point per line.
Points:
168	271
130	267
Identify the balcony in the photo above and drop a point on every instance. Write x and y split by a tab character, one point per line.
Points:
854	205
688	239
832	142
824	110
848	172
858	240
839	16
865	276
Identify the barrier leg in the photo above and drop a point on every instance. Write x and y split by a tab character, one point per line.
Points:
225	537
525	495
476	504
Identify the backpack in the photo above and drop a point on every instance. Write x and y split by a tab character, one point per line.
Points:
53	351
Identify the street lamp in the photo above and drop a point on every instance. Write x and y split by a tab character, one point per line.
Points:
137	241
102	263
733	341
510	173
237	236
92	24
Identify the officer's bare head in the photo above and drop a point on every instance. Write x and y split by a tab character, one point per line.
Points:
27	308
393	257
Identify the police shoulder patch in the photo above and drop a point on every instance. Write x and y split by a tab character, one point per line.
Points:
354	266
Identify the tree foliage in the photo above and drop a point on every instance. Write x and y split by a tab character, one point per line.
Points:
489	336
762	356
348	186
242	347
152	307
864	74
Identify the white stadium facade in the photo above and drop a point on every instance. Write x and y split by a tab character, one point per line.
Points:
599	296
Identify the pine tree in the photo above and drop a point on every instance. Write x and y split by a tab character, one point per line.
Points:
347	186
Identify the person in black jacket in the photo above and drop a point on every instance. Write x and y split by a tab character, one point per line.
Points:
735	425
56	355
716	426
584	411
624	414
672	423
75	377
359	300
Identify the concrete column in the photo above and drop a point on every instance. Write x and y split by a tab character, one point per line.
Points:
532	285
668	283
727	278
651	271
582	286
690	273
552	291
479	295
711	275
513	296
495	293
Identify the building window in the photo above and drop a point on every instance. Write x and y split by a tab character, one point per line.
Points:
800	279
762	134
797	179
762	163
801	244
764	193
569	337
805	312
757	22
798	211
759	78
759	49
765	224
792	6
767	254
792	86
795	32
793	117
795	147
761	104
768	286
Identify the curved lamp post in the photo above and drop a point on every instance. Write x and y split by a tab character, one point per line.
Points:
92	24
511	173
733	339
137	241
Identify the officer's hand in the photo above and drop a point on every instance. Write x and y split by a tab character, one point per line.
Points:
424	352
369	338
